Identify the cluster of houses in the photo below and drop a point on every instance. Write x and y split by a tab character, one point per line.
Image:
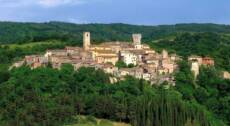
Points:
197	61
148	64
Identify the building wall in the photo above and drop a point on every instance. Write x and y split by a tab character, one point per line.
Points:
226	75
110	70
208	61
195	68
56	52
170	67
112	60
162	71
149	51
138	46
129	58
195	58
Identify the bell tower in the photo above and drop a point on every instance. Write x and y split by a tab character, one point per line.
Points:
86	40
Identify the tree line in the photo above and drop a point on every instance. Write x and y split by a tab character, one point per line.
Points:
14	32
51	97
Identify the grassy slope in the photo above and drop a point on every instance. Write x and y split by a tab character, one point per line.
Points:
32	44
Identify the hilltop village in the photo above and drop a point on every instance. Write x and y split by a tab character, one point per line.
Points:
142	62
146	63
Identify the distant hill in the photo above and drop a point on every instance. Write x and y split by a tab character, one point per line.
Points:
13	32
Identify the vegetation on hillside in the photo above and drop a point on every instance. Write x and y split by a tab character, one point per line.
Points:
47	96
12	53
214	45
92	121
209	90
52	97
72	33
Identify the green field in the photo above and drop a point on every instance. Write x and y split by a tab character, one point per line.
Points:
32	44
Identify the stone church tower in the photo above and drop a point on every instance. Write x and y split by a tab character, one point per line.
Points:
86	40
137	39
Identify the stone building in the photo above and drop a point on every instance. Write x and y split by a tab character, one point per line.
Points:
35	61
109	68
57	52
195	58
128	58
195	68
170	66
105	56
73	50
136	72
208	61
162	71
197	61
226	75
17	64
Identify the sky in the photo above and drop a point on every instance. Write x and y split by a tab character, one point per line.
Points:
141	12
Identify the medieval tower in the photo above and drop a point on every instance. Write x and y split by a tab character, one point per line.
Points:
86	40
165	54
137	39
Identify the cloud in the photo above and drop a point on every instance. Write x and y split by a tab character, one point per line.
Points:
54	3
42	3
78	21
15	3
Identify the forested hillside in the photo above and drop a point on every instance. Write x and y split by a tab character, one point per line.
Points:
52	97
31	32
210	44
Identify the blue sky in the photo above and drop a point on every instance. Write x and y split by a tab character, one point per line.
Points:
143	12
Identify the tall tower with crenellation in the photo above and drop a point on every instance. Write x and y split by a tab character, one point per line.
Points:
86	40
137	39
